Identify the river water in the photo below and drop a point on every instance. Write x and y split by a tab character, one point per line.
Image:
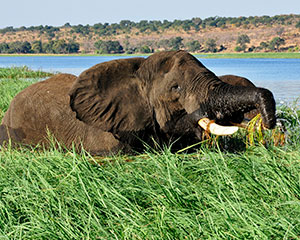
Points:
281	76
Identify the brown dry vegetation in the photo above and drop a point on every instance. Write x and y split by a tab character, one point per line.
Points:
226	36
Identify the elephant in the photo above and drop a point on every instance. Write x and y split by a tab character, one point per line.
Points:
236	80
126	104
240	81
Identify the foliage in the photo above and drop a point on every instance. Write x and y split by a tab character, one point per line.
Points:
164	43
275	43
84	30
57	46
145	49
176	43
242	41
105	31
106	47
193	46
239	49
37	47
15	47
144	26
211	45
264	45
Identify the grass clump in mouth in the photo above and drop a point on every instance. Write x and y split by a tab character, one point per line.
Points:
257	134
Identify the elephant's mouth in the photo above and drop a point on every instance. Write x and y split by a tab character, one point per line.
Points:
216	129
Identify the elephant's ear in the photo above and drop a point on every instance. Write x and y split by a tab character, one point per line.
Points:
110	96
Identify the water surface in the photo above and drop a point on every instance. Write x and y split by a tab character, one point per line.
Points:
281	76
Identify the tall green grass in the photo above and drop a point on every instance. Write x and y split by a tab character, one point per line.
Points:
253	193
8	89
208	195
22	72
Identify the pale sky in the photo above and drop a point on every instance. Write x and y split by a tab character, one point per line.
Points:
27	13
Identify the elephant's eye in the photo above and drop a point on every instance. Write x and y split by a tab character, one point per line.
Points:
176	88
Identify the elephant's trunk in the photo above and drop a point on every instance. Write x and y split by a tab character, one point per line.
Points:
229	103
267	107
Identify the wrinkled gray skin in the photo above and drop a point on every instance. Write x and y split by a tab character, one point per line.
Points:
119	105
240	81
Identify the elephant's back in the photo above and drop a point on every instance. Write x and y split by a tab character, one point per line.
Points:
37	96
39	107
57	86
236	80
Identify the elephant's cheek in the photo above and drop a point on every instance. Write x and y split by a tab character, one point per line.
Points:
191	104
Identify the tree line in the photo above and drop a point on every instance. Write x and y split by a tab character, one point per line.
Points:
273	45
177	43
112	47
109	47
127	26
57	47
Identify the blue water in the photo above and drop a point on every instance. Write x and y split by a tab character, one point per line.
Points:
281	76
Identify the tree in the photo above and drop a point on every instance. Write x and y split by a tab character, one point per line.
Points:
241	41
298	25
4	48
60	46
48	47
19	47
211	45
67	25
72	47
264	45
84	30
36	47
238	49
164	43
275	43
176	43
26	47
105	47
193	46
145	49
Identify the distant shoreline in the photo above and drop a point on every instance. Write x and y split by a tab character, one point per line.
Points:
199	55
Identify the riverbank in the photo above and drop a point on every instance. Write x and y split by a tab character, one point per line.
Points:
251	55
289	55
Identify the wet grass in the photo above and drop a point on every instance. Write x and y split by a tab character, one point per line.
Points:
253	193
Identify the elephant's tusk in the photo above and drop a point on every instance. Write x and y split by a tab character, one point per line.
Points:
216	129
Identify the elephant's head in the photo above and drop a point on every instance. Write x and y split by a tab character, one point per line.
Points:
166	93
